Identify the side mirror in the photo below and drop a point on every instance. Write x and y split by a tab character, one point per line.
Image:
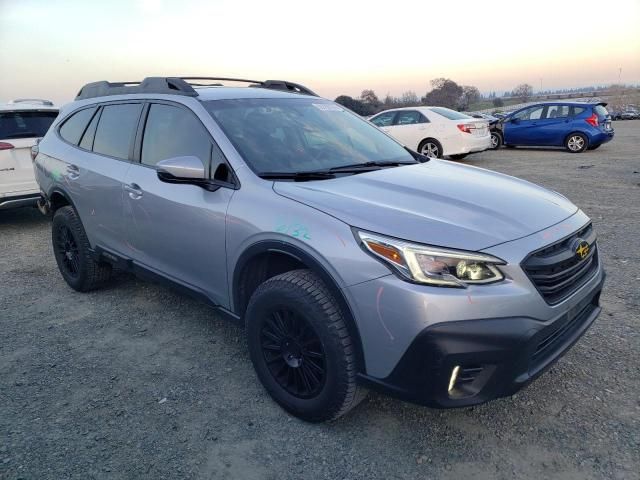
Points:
182	168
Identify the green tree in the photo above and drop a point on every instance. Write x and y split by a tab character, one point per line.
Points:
444	93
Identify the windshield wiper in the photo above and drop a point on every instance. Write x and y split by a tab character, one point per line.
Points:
297	176
368	166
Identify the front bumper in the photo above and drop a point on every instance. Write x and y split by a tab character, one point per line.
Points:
495	357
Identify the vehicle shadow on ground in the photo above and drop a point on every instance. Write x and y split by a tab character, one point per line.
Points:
22	216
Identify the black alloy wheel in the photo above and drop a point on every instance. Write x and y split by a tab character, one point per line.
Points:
293	352
67	249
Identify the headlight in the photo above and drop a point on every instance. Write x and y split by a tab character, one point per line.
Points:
432	265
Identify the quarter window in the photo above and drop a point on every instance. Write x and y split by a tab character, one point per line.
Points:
173	132
116	130
384	119
73	128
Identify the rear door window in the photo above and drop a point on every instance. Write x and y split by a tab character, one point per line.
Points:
25	124
74	126
557	111
410	117
116	130
174	132
90	133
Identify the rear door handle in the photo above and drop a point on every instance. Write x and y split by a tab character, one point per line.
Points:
134	190
73	172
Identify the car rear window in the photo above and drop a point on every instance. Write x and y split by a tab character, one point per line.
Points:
600	110
450	114
27	124
116	129
74	126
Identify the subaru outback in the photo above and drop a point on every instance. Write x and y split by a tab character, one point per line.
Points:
353	262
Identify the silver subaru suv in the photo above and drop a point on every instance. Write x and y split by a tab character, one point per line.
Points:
354	262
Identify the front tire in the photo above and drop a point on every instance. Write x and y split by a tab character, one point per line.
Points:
576	143
496	140
72	251
301	348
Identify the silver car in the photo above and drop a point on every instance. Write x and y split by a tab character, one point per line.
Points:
354	262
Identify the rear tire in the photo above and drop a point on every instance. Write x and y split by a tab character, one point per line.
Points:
72	251
576	143
301	348
430	147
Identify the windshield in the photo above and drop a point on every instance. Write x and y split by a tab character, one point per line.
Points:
25	124
293	135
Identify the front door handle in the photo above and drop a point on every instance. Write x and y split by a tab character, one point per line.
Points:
134	190
73	172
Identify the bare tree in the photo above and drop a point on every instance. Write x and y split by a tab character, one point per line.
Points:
523	92
470	95
409	99
370	97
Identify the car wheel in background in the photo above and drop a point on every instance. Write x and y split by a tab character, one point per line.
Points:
430	147
496	140
458	157
576	143
301	348
72	251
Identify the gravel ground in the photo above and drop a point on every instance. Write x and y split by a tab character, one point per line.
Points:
136	381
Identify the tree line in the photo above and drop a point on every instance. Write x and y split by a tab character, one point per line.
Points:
444	93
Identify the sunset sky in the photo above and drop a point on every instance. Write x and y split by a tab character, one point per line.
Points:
49	49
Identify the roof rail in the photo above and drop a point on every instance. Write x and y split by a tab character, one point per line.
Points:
270	84
180	86
47	103
166	85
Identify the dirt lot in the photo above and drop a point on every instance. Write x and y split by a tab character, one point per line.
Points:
138	381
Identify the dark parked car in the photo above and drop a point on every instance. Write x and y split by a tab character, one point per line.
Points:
577	126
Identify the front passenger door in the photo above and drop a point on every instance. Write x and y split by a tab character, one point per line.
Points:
178	230
521	127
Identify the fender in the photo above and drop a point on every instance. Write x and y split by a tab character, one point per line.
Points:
307	259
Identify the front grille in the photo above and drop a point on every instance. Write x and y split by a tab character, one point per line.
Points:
557	271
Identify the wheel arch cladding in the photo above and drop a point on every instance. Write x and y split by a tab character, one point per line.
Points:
266	259
59	199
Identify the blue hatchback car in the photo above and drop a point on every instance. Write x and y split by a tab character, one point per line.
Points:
577	126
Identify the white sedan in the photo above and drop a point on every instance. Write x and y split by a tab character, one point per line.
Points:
435	131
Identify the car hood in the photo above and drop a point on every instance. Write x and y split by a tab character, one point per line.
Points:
438	203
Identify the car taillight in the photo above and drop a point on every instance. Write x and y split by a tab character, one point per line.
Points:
593	120
34	153
463	127
6	146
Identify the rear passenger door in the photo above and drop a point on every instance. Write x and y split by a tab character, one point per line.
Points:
95	169
178	230
410	127
553	127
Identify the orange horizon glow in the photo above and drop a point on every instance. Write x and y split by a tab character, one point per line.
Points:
50	49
